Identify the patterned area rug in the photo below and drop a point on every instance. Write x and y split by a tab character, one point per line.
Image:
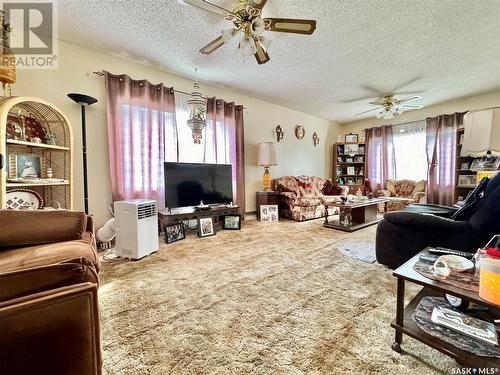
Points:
273	298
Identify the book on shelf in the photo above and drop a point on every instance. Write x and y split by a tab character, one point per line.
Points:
463	323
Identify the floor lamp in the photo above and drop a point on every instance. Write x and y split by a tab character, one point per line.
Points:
84	100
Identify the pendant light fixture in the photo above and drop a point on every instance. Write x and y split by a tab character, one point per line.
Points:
197	104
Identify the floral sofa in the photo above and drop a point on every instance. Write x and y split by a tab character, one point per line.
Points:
301	198
405	189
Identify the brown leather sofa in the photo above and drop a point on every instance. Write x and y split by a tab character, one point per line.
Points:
49	320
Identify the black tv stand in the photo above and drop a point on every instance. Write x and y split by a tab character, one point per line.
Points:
203	208
169	217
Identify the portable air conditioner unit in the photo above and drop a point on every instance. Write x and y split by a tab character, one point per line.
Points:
136	224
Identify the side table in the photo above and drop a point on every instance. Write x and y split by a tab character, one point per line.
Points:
404	324
266	197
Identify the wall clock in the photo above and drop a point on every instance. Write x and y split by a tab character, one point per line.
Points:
300	132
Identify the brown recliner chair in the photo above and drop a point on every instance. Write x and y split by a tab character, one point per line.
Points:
49	319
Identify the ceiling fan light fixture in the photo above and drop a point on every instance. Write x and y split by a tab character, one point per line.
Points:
247	46
228	34
265	42
258	26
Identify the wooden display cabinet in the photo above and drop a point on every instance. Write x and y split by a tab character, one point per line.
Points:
54	154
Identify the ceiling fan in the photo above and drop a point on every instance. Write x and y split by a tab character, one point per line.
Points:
389	106
249	25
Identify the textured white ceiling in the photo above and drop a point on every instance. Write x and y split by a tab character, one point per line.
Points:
361	48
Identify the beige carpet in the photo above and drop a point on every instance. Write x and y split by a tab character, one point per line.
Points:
273	298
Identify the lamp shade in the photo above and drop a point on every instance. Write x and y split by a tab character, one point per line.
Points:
266	154
482	133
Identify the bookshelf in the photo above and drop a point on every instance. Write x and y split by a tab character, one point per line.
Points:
349	164
462	173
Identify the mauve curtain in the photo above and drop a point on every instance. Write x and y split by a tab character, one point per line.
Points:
380	156
441	144
223	142
138	113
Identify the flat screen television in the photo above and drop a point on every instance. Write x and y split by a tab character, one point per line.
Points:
186	184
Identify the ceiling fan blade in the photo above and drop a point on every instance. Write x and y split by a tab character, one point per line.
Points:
358	99
259	4
295	26
376	103
410	99
261	56
209	7
370	110
412	106
399	93
212	46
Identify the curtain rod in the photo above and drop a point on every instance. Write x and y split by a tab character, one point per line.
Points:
100	73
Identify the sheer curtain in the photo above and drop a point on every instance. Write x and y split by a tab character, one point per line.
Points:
380	156
138	113
410	150
222	142
441	141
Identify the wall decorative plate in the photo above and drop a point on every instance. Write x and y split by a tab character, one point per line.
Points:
23	199
300	132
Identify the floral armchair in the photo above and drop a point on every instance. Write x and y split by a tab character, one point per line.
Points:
414	190
301	198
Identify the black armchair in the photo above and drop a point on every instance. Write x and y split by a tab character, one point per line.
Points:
401	235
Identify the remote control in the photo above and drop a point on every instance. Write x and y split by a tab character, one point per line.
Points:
428	258
444	251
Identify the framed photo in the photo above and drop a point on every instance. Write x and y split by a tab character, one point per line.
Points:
359	159
464	166
339	159
361	149
269	212
351	149
351	171
348	160
26	166
351	137
206	227
174	232
231	222
467	180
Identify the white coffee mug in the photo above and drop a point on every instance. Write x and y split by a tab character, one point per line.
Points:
440	269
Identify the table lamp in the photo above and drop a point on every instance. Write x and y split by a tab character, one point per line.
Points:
266	155
482	139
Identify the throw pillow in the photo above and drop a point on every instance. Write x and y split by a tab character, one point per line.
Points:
331	188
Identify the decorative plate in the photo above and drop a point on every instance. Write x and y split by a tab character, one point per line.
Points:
300	132
457	263
23	199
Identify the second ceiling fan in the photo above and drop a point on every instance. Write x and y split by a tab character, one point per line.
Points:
249	25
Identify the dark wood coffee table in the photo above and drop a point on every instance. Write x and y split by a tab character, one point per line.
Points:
354	215
404	324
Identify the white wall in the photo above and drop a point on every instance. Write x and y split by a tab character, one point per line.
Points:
74	74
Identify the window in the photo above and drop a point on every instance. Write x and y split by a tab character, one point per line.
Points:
410	149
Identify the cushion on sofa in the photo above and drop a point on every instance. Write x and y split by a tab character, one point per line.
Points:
42	255
47	227
331	188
